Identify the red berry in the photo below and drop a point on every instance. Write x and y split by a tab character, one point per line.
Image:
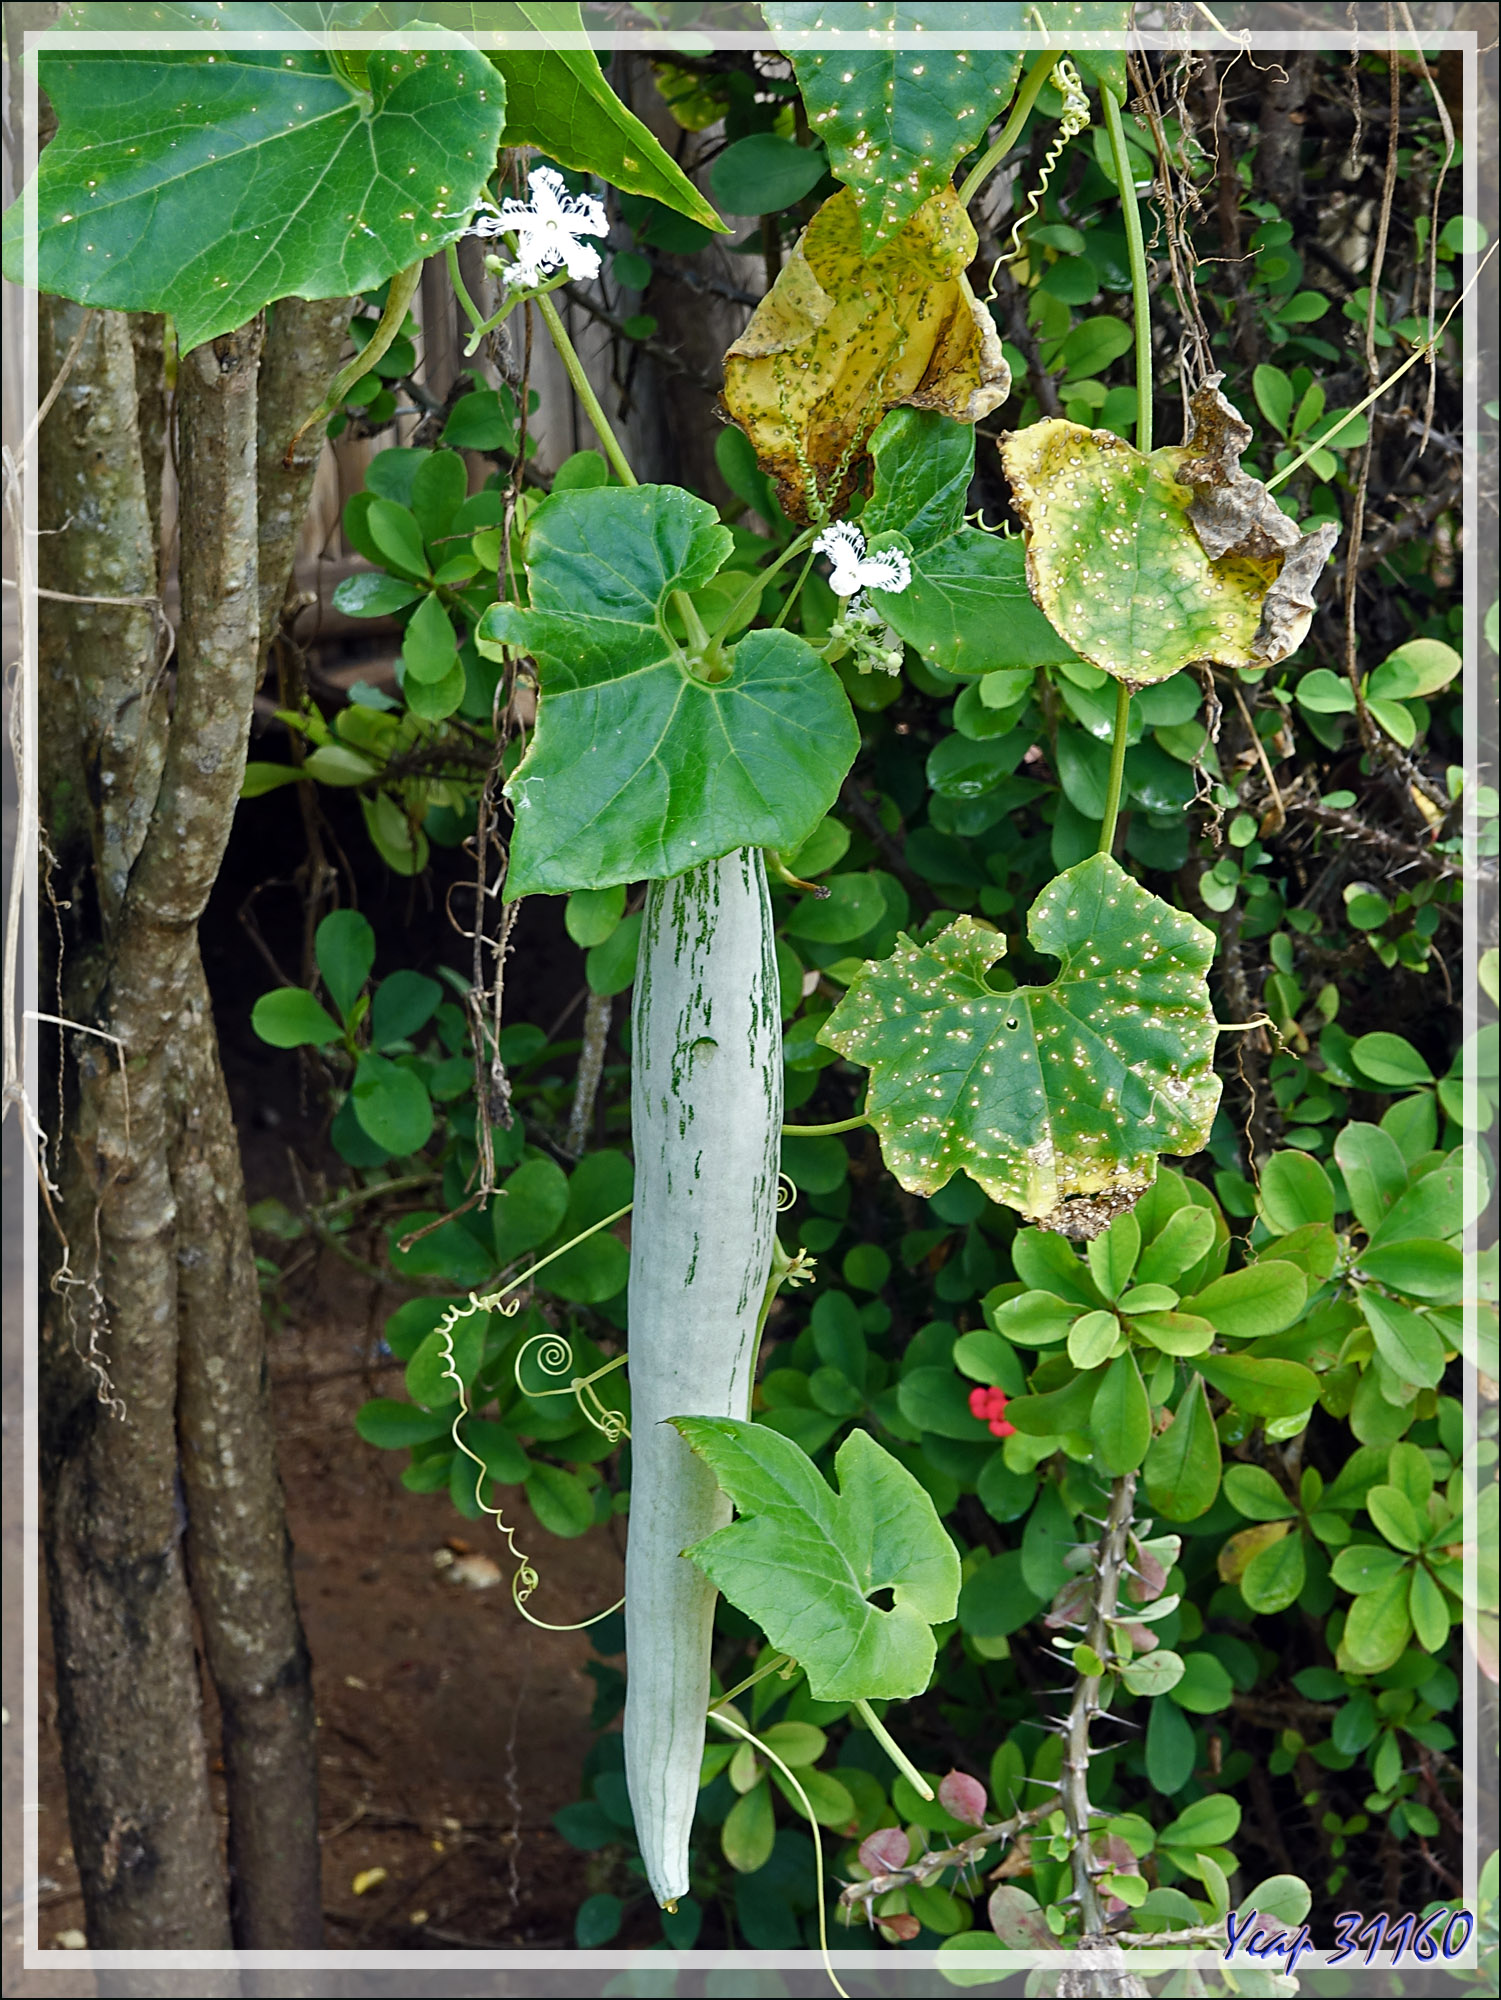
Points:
979	1404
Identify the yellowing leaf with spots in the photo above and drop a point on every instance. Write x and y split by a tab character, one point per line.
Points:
1057	1099
841	338
1147	564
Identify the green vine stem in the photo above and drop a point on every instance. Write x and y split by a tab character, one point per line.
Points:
737	1728
1040	69
1141	298
398	297
831	1131
893	1749
583	388
1117	767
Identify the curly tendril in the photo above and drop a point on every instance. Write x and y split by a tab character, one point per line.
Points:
786	1193
555	1357
1075	118
525	1579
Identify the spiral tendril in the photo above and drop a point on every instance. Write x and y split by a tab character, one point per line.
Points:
525	1579
1075	118
555	1357
786	1192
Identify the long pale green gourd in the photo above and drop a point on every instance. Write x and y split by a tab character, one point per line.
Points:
706	1115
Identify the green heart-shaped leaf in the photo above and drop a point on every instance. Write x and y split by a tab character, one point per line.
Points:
639	768
206	183
804	1561
1048	1095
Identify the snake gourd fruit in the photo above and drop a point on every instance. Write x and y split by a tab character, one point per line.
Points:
706	1116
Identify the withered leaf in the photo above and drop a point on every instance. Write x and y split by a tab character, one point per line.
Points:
843	337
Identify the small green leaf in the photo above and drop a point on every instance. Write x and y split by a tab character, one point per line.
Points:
374	595
1423	1267
1111	1256
427	646
290	1018
1153	1673
1091	1338
1208	1822
1396	1517
1429	1610
392	1425
403	1005
1261	1388
1120	1422
1182	1468
1295	1190
1185	1238
394	530
1375	1173
763	173
803	1561
1274	1577
1252	1491
1170	1749
1407	1342
1366	1566
1206	1687
392	1105
590	915
1378	1627
344	946
1390	1060
996	1599
560	1500
1263	1298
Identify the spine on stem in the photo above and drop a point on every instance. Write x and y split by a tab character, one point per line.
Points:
706	1115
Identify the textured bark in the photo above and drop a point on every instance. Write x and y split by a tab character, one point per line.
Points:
238	1548
103	704
146	330
143	1828
243	511
300	359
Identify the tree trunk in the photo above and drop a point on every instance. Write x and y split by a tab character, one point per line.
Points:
129	1709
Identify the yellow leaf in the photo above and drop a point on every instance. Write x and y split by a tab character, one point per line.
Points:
1147	564
1240	1549
843	337
368	1878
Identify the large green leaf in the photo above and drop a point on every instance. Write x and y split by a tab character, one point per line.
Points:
1057	1099
558	100
896	121
967	607
1147	564
637	767
206	183
804	1562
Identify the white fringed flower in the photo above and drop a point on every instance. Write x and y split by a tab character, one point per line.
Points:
854	571
548	230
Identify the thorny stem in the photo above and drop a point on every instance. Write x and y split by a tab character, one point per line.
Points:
968	1853
1037	75
1141	298
1110	1561
1117	767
